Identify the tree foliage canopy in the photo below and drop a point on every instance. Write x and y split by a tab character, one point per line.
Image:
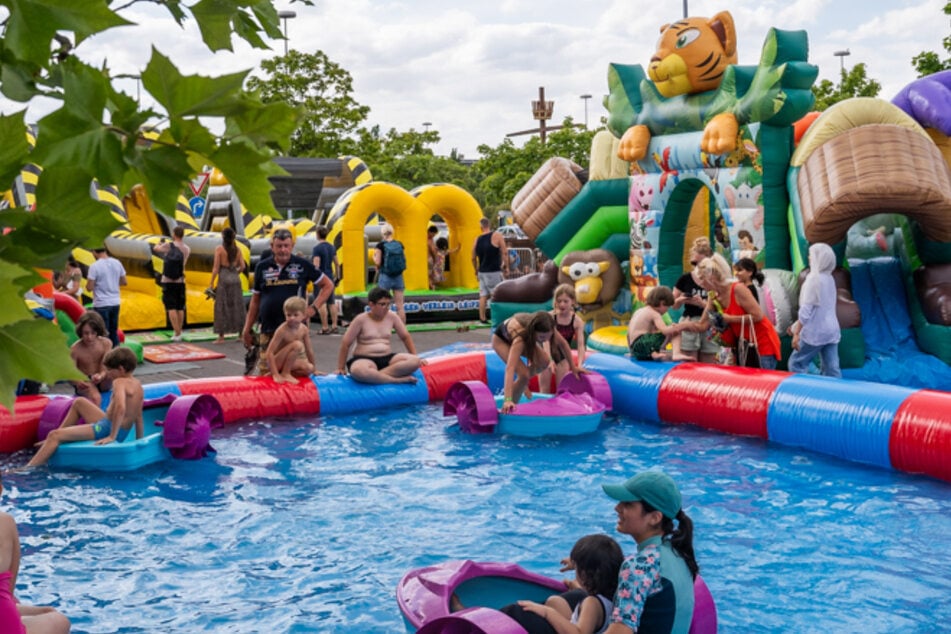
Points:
96	133
853	83
929	62
322	92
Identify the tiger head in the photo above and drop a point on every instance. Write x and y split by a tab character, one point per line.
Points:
692	55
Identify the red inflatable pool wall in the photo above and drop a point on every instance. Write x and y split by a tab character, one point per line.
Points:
705	395
441	372
256	398
19	430
920	440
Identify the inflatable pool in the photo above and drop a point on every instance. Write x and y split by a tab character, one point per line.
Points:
884	425
178	427
424	594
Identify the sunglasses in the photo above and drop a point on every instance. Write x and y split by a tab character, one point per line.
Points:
282	234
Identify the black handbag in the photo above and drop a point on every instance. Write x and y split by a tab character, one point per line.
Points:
747	350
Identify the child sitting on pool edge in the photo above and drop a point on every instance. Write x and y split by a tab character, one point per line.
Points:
125	409
290	354
648	334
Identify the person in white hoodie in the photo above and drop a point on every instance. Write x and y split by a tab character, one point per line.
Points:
817	332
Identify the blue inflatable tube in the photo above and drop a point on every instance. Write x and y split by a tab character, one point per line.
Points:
342	395
634	386
846	419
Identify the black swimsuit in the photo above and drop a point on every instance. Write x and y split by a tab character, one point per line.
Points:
381	362
502	332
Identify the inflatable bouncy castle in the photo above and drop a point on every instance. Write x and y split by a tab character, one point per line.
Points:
343	196
699	145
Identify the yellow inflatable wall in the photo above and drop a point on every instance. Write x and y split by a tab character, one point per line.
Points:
409	213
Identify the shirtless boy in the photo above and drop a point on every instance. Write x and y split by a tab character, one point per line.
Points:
125	409
290	353
373	360
88	353
648	334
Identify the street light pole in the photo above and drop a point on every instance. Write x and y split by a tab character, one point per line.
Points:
685	9
286	15
585	98
842	55
426	125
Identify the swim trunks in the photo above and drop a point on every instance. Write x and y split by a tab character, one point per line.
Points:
102	428
643	346
381	362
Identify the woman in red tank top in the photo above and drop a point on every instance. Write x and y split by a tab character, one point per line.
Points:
738	305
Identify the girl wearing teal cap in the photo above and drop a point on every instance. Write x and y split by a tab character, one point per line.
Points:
655	585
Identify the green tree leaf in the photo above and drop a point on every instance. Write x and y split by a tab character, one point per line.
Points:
13	146
192	95
929	62
33	349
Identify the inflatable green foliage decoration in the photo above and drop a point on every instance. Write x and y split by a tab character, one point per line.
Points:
777	92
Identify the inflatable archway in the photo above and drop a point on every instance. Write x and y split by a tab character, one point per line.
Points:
409	213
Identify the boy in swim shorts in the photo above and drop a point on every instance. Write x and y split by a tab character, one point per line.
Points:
373	359
648	333
290	353
125	410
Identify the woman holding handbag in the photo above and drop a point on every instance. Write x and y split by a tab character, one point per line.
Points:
744	326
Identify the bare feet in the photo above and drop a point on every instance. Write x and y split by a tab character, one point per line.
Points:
682	357
219	340
406	379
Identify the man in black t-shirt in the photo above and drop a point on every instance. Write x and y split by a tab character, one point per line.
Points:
277	278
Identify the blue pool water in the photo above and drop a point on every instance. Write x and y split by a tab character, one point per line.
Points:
307	526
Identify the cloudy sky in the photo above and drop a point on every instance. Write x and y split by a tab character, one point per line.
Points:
471	69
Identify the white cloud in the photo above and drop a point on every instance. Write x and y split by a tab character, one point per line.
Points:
472	69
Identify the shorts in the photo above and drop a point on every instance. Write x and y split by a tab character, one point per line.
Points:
646	344
381	362
488	281
101	429
691	341
390	282
173	295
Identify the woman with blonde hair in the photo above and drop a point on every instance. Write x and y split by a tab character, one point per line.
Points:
742	318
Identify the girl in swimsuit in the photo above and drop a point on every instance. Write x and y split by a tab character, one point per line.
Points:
571	328
525	335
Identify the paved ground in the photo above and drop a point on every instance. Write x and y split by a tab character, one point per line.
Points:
326	348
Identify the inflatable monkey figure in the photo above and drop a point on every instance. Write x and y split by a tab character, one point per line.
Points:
597	277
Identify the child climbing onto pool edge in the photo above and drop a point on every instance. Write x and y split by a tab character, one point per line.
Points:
290	353
125	409
525	334
648	333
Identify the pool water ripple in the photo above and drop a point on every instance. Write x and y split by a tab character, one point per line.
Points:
307	526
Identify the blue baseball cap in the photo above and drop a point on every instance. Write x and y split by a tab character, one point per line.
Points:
654	487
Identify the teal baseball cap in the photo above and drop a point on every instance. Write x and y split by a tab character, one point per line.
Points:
654	487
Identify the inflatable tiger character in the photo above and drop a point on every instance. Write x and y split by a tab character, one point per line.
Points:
691	57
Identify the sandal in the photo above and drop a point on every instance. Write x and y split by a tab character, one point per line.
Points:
324	331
